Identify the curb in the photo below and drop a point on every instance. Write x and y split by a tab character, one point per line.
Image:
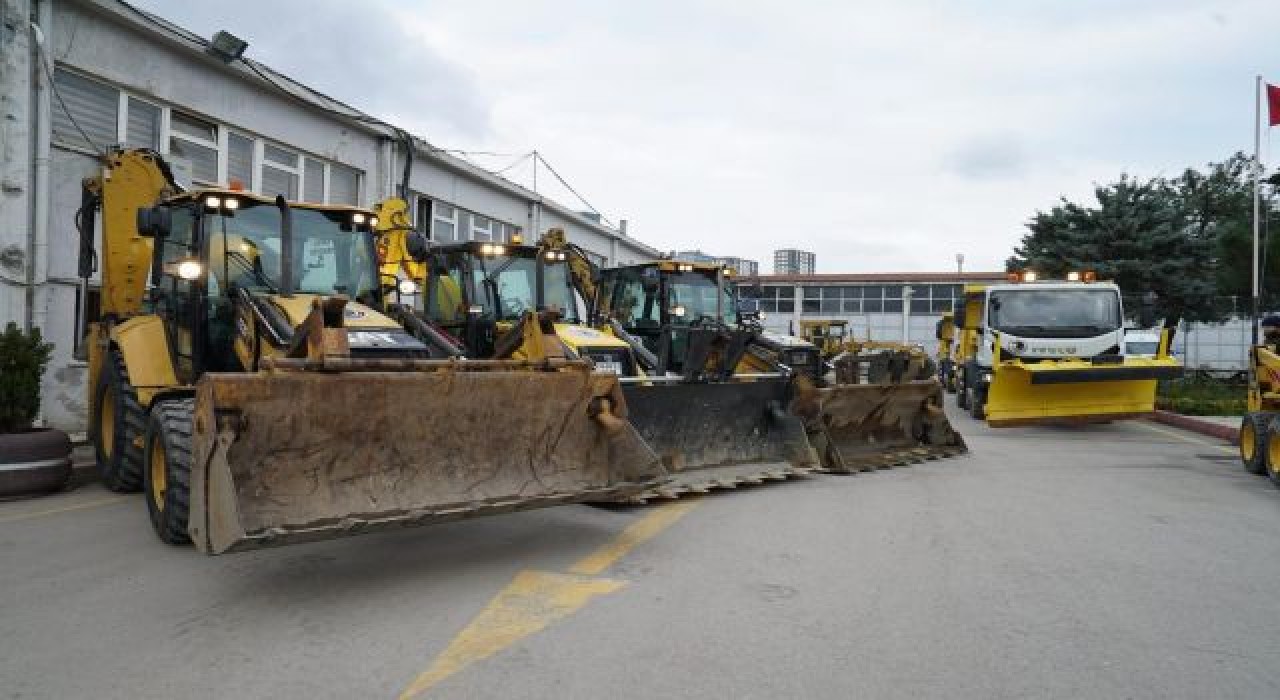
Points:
1196	425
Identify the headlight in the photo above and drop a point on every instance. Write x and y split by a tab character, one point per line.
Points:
190	269
408	287
213	202
677	310
231	204
357	218
986	377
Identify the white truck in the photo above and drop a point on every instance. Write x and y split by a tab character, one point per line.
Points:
1055	349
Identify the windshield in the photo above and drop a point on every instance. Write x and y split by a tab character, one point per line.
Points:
509	284
329	257
1141	347
1055	313
696	293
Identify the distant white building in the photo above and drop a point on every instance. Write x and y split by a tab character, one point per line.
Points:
790	261
105	74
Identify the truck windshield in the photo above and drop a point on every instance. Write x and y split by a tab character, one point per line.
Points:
329	257
508	286
1055	313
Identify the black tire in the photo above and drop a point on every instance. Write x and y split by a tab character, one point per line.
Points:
978	405
168	443
1254	429
1271	450
34	462
119	456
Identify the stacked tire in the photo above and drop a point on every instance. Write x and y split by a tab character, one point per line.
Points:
34	462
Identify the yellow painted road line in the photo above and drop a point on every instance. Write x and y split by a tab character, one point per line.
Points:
64	509
1185	438
636	534
535	599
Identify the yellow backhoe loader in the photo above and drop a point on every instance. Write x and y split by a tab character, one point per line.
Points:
866	361
701	339
244	376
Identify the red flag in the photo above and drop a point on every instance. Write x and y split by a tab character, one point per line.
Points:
1273	104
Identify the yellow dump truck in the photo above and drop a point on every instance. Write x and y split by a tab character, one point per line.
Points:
243	374
1051	351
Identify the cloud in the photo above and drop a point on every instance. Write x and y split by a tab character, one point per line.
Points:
988	157
881	136
353	52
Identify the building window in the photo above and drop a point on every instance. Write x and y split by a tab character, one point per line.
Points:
422	217
142	125
313	181
444	225
280	172
344	185
195	142
240	160
94	108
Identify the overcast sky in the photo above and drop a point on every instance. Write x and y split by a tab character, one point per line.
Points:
882	135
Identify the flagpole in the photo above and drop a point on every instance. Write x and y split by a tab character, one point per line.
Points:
1257	200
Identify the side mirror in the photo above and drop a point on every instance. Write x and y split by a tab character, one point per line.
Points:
155	222
937	330
417	246
959	317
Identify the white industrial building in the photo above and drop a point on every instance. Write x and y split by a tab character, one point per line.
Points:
78	77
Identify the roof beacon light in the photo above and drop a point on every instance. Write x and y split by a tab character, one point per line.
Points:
1090	276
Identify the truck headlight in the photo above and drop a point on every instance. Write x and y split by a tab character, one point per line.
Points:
408	287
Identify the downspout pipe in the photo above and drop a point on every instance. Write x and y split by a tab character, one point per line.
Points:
38	239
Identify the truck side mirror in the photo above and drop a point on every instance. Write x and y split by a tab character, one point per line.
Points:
154	222
937	330
417	246
959	318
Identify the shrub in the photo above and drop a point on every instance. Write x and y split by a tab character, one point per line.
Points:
23	358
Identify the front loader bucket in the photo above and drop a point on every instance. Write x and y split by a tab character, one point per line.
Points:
719	435
1075	390
857	427
293	456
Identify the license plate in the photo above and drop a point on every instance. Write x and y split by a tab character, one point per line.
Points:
609	366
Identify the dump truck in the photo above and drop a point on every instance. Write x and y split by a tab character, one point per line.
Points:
244	376
677	312
1050	351
1259	439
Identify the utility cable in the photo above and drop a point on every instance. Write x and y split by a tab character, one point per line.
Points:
575	192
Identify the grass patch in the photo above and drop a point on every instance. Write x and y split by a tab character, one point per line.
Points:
1198	396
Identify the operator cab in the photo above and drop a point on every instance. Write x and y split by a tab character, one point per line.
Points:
213	247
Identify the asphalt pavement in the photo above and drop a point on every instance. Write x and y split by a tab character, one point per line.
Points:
1127	560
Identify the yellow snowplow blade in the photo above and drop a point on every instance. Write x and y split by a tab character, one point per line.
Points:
856	427
292	455
1080	390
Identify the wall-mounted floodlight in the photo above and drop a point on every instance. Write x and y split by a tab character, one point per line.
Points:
228	46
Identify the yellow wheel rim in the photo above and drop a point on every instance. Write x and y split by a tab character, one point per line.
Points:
159	475
1273	453
1248	442
107	422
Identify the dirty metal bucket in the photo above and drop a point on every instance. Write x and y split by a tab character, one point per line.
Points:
858	427
288	456
720	435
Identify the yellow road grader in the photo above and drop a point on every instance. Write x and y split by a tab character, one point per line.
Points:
244	375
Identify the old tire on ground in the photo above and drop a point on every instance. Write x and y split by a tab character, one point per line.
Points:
168	474
120	421
34	462
1253	441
